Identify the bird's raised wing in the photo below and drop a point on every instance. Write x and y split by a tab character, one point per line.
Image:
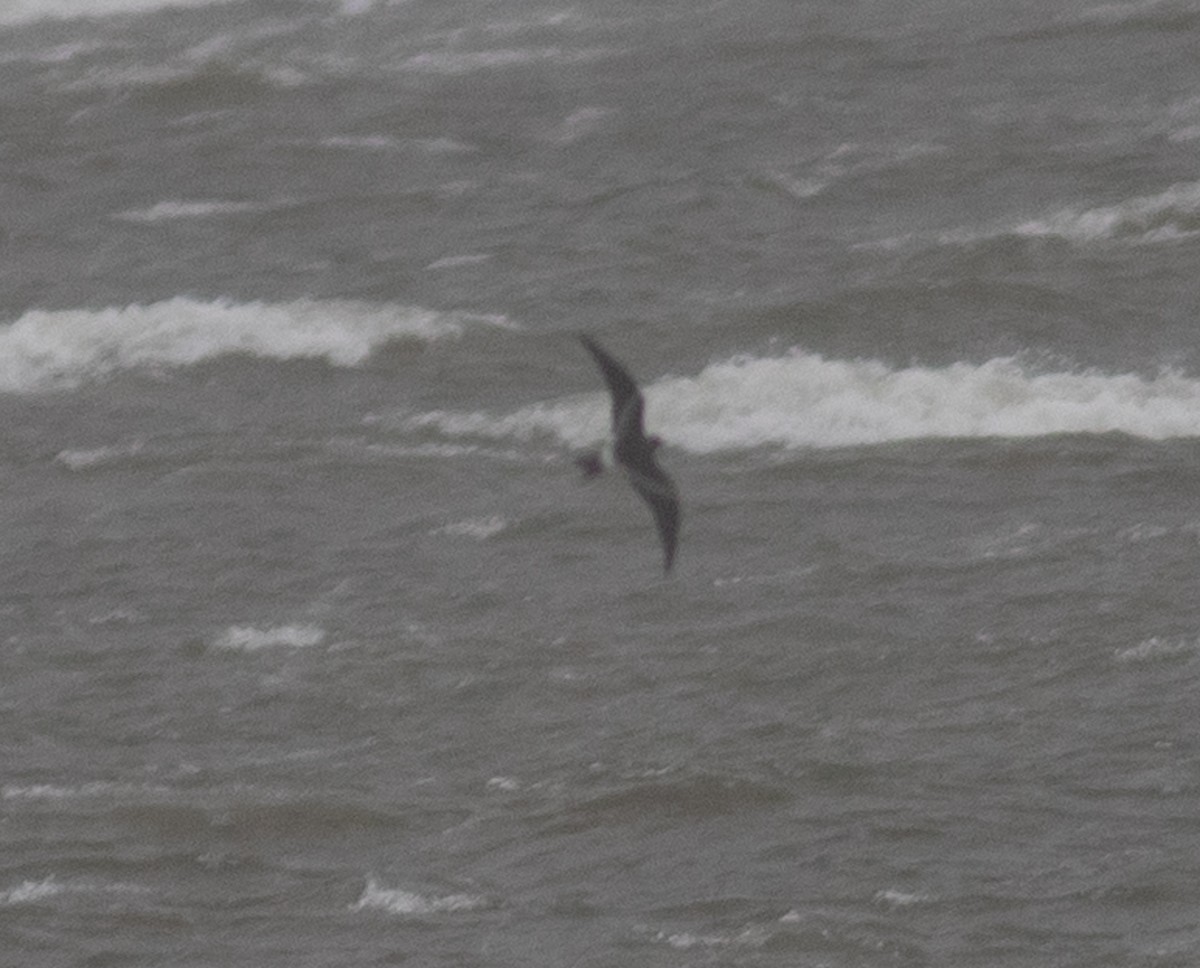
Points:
627	402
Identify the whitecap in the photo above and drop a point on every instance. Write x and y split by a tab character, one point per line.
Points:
478	528
45	349
248	638
33	792
753	936
1155	649
370	142
28	892
893	898
458	261
37	791
178	209
88	458
579	124
805	400
1167	216
20	11
410	903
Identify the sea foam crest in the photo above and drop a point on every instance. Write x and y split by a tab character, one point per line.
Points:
45	349
805	400
19	11
248	638
1169	215
410	903
183	209
28	892
478	528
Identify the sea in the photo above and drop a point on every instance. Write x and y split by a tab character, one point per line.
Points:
316	648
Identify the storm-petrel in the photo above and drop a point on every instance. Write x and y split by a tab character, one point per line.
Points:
634	451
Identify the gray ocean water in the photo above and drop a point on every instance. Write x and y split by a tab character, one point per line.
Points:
315	650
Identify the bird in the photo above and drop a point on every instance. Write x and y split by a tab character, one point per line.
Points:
634	451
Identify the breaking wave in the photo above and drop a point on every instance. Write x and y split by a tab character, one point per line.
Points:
1170	215
376	897
246	638
1167	216
805	400
21	11
182	209
50	349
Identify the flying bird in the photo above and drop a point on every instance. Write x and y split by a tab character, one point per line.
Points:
634	451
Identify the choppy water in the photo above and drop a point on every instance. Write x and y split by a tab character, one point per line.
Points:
315	649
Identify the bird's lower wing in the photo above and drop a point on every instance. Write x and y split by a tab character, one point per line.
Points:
658	491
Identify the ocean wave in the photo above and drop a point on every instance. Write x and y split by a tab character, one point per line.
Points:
247	638
82	459
659	793
803	400
170	210
458	62
1168	216
478	528
1172	215
1155	649
29	892
35	792
49	349
806	178
22	11
190	84
753	936
1112	18
410	903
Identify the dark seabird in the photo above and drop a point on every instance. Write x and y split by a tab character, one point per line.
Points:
634	451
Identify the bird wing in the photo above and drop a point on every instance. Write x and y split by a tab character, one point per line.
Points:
635	452
658	490
627	402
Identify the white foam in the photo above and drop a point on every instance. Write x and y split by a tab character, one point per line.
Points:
804	400
170	210
893	898
458	261
31	891
86	459
1155	649
45	349
580	123
38	791
367	142
21	11
1167	216
807	178
396	901
249	638
455	62
478	528
754	936
1171	215
97	788
28	892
